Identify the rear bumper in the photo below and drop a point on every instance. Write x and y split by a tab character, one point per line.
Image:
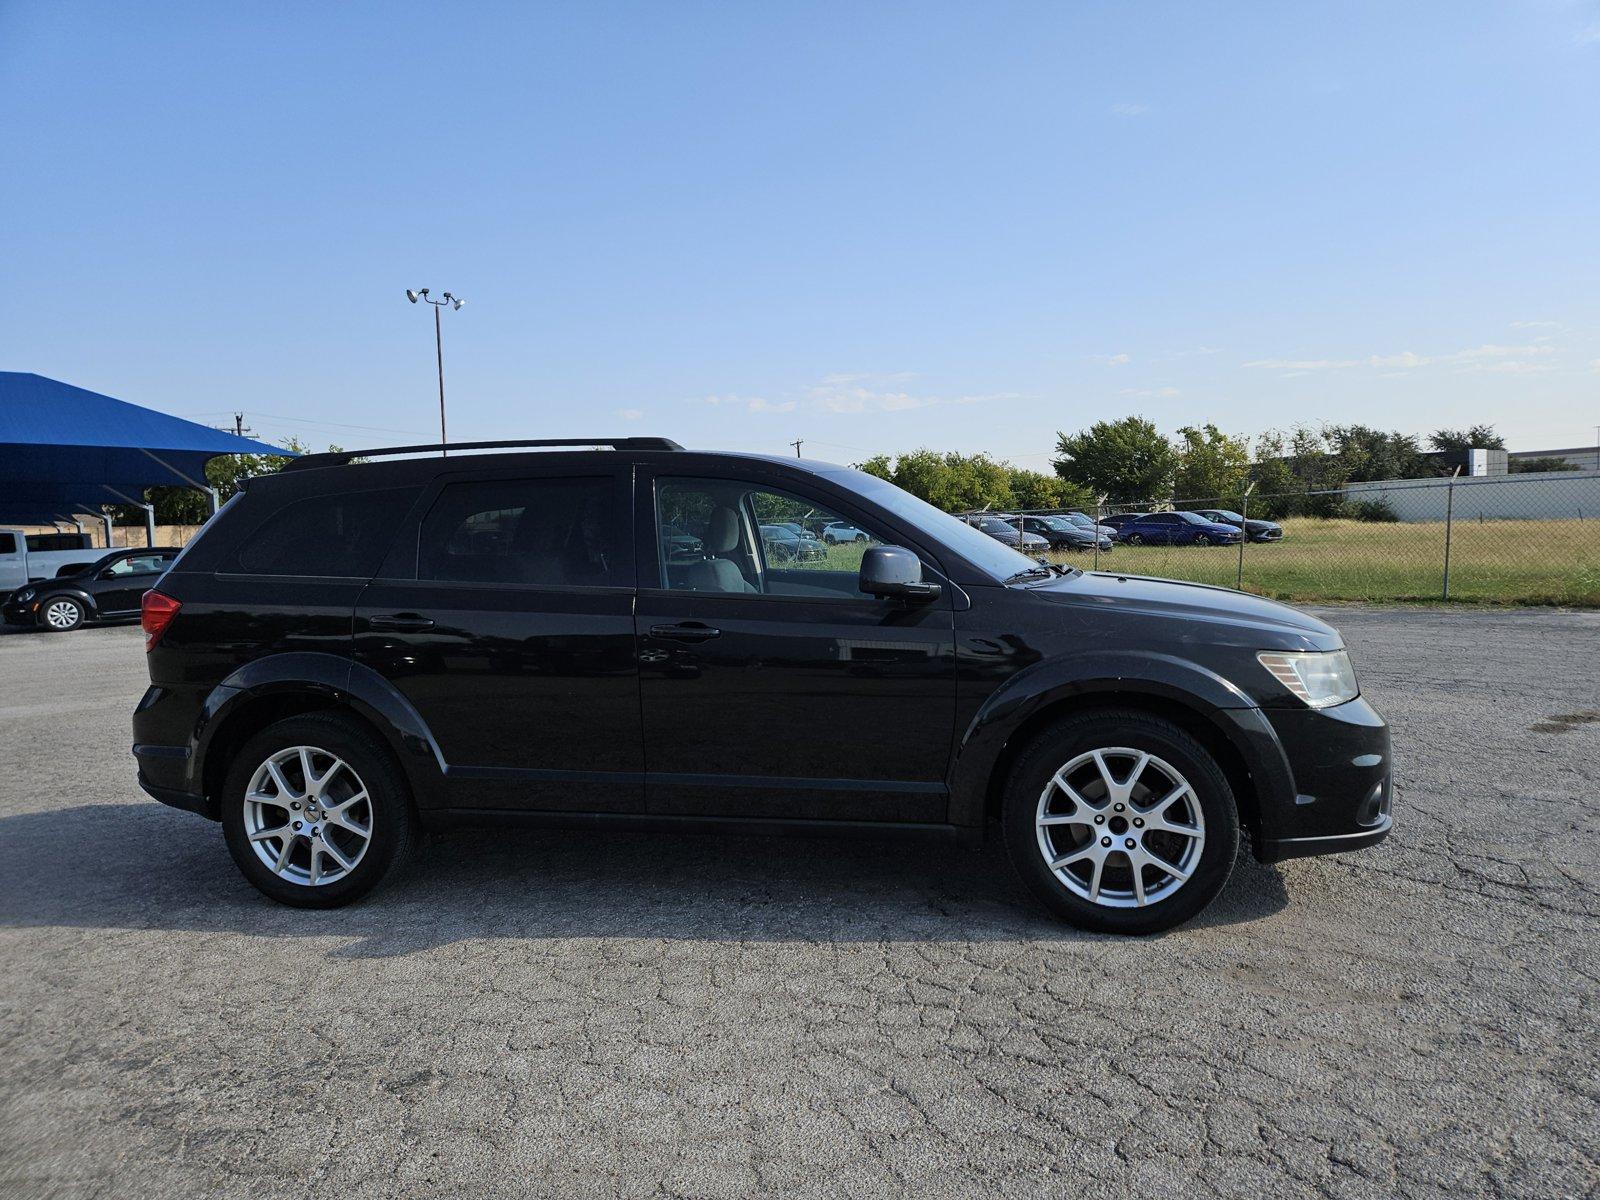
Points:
177	798
166	749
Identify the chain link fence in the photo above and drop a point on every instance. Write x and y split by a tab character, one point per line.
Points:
1503	539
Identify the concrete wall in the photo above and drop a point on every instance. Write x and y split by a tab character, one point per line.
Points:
1553	495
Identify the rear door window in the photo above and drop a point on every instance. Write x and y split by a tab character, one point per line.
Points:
548	532
344	535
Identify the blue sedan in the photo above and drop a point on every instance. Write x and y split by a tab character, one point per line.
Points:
1177	529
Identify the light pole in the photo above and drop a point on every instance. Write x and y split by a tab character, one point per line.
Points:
438	346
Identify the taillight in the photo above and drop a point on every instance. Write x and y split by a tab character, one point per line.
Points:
155	614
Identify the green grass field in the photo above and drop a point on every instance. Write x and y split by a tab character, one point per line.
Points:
1493	562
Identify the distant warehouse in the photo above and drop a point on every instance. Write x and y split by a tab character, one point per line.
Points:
1527	496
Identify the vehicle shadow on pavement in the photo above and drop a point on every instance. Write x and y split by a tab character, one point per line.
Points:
138	866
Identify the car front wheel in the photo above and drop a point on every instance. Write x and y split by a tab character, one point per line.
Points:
1120	822
61	614
315	812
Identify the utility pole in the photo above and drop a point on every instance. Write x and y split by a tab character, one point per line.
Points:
240	429
438	346
801	442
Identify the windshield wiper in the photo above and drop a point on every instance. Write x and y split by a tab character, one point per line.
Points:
1040	572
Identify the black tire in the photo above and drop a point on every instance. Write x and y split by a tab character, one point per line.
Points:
1134	539
831	540
392	819
62	603
1061	744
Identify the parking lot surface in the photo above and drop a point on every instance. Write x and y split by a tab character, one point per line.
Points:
589	1014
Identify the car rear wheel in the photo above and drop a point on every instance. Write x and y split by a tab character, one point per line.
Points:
1120	822
1134	539
315	812
61	615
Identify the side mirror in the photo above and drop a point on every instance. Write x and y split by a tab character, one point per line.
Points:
895	573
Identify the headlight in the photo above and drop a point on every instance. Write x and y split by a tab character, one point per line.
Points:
1320	678
24	594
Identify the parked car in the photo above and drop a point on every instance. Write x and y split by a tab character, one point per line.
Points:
1117	522
29	557
1256	531
1177	529
1005	531
105	590
835	532
1062	534
812	543
1084	521
335	664
784	545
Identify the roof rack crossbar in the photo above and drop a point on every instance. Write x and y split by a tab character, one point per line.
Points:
339	458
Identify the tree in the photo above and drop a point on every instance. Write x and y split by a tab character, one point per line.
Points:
190	506
1211	465
951	481
1035	489
1278	493
880	465
1126	459
1457	441
1373	454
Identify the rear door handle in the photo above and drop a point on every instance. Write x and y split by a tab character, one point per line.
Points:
692	631
401	622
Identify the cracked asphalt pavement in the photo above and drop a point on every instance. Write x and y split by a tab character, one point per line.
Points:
554	1014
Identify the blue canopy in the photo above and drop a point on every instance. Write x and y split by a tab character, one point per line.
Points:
64	448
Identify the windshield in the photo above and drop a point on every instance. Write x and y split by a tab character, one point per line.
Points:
1080	520
1227	515
1194	518
995	559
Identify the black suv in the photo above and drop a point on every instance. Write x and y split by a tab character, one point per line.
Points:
598	637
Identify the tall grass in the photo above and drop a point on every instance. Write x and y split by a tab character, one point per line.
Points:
1491	562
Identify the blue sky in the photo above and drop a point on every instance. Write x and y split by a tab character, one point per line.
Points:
872	226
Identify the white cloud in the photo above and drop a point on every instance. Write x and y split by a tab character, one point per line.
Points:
1129	110
1111	360
850	392
630	414
1537	325
1594	365
1161	393
1406	360
1588	36
756	404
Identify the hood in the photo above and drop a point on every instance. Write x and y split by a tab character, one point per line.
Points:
1171	598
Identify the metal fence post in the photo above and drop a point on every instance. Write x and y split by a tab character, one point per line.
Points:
1244	534
1099	511
1449	521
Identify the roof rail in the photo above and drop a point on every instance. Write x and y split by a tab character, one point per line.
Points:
339	458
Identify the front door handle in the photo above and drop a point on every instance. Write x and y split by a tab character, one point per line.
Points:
401	622
691	631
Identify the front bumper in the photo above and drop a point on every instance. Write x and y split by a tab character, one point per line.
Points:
1341	763
19	614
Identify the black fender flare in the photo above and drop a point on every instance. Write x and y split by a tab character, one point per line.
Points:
333	682
1163	678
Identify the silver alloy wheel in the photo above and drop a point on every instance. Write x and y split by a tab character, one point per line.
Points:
308	816
61	614
1120	827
